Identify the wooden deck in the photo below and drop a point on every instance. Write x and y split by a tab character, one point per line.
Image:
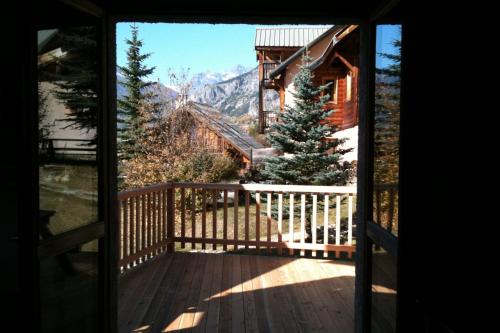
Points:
209	292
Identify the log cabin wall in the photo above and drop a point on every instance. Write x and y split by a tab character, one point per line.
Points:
337	70
332	69
293	68
211	141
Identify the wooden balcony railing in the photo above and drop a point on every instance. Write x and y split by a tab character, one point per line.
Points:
157	218
268	67
269	118
385	206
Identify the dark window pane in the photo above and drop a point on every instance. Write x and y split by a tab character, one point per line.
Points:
68	110
68	178
384	291
69	290
387	118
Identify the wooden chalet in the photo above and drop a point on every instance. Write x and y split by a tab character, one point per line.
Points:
334	52
217	135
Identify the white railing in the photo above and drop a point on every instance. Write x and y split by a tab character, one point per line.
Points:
157	218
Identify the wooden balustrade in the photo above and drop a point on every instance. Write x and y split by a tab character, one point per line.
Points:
241	216
385	203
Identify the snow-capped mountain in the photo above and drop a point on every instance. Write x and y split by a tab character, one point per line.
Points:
236	96
200	80
234	92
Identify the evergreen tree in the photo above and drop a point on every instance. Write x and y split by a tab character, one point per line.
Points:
131	126
307	158
300	134
77	79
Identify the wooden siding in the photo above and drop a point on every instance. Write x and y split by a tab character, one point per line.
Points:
210	292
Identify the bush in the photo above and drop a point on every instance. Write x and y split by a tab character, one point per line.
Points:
205	167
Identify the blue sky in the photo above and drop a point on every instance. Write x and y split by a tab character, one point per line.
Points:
204	47
201	47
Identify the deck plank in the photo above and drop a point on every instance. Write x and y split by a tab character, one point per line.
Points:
225	321
181	298
187	318
200	318
248	297
139	306
167	296
238	312
214	301
328	285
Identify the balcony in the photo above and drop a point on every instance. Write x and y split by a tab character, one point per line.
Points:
192	258
268	67
268	118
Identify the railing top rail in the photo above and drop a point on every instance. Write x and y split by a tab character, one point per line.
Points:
245	187
143	190
271	188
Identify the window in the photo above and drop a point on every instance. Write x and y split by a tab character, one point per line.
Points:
333	90
348	87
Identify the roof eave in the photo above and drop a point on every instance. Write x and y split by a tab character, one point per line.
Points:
284	65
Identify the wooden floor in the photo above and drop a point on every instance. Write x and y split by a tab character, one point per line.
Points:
205	292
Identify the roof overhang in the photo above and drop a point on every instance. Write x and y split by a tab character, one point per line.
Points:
340	32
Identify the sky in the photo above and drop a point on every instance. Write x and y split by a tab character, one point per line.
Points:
200	47
207	47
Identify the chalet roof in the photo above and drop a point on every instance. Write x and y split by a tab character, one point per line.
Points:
287	37
337	29
329	49
231	132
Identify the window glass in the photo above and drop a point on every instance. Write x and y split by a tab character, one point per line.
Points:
387	118
67	128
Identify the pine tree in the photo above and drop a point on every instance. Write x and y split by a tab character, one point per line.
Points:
300	135
131	126
307	158
77	79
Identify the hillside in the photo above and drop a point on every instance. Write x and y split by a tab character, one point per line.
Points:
238	96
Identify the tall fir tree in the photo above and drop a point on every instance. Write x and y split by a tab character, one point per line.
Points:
131	125
77	80
307	159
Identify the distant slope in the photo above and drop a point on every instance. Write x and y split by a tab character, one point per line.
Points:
157	87
237	96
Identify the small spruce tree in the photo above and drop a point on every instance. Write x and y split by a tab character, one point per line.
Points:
307	157
131	125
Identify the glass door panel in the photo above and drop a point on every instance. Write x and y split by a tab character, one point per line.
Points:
383	229
70	234
386	131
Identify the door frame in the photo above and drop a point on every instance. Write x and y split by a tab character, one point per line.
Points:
368	232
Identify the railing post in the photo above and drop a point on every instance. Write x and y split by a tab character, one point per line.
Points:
170	219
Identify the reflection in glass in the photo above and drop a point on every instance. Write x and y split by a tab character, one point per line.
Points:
69	290
68	110
387	119
384	291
